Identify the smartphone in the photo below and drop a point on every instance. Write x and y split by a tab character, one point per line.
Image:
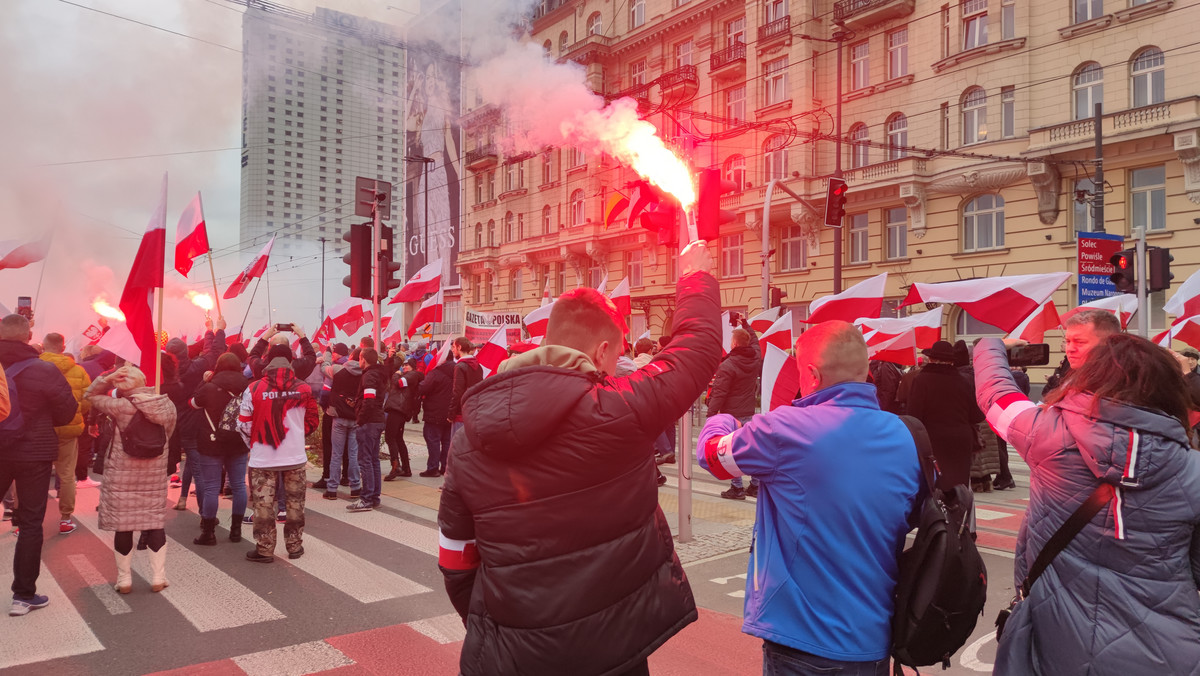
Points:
735	319
25	306
283	327
1033	354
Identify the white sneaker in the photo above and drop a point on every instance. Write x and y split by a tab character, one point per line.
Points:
87	483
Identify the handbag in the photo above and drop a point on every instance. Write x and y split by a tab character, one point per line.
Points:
1057	542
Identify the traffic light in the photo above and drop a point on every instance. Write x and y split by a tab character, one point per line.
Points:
1124	275
776	295
386	272
359	260
1159	276
709	215
662	217
835	202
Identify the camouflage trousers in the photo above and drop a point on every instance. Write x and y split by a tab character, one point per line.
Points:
262	497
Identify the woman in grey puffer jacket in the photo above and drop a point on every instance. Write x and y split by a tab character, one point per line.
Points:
1122	597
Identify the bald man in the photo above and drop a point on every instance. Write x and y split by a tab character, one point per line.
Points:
838	479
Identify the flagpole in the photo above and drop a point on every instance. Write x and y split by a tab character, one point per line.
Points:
38	294
247	315
267	274
158	350
213	272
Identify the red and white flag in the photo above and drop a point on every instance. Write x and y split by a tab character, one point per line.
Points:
778	334
1002	302
494	351
430	311
1123	306
546	299
1186	301
537	321
17	254
256	269
864	299
726	333
349	315
325	332
763	320
899	349
1035	326
926	328
427	280
780	378
441	356
1186	330
620	298
391	329
191	236
146	275
602	287
233	334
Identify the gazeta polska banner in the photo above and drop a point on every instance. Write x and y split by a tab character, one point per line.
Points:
479	326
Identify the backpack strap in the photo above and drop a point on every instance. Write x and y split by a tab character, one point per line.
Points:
929	468
1065	533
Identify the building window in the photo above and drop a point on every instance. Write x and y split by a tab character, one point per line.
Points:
775	81
1008	19
637	13
595	24
1008	112
974	116
633	267
491	233
897	136
860	65
562	279
548	167
1149	78
775	158
731	256
520	227
547	47
509	223
596	274
944	136
491	185
897	42
735	171
1086	10
897	233
578	211
735	31
1148	198
859	238
546	222
637	73
1087	89
860	148
983	223
683	54
776	10
510	177
945	14
1083	217
518	284
562	43
735	104
795	249
975	23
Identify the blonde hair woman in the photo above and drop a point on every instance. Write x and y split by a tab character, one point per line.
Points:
134	493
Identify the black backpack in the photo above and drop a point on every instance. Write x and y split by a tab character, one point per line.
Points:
12	428
142	438
943	582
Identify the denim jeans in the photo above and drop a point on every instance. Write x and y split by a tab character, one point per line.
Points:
210	467
781	660
369	435
345	441
737	480
437	440
190	470
31	479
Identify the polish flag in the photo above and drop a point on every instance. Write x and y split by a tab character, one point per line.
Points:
348	315
427	280
325	332
120	342
780	378
900	349
16	254
233	334
726	333
864	299
441	356
546	299
537	321
620	298
645	335
1186	301
258	334
430	311
1123	306
763	320
1035	326
926	328
1186	330
391	330
191	236
146	275
256	269
1002	302
778	334
602	287
494	351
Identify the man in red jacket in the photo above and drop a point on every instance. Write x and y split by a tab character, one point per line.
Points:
574	571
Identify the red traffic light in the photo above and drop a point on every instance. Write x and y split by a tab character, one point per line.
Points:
709	215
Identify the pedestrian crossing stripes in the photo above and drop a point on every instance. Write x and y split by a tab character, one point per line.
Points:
55	631
358	578
421	538
293	660
101	586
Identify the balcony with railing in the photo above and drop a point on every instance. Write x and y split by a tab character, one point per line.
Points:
1131	121
856	14
683	80
589	49
482	157
729	62
779	28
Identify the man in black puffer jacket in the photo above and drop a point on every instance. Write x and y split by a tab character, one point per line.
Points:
735	391
553	476
436	393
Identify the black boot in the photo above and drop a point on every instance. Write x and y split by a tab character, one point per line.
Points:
235	529
394	474
206	533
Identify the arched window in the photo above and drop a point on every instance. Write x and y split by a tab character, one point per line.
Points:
562	43
897	136
478	235
491	233
775	164
983	223
1087	89
546	229
735	170
860	149
595	25
974	116
508	227
578	213
548	47
1149	77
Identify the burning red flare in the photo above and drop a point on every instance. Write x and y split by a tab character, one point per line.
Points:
200	300
103	309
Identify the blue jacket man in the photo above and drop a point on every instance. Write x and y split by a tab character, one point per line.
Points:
839	478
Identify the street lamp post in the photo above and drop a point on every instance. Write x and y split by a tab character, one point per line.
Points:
840	35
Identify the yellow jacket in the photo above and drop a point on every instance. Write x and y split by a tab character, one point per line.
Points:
4	405
79	381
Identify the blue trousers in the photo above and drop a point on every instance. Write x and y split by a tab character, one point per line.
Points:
369	435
